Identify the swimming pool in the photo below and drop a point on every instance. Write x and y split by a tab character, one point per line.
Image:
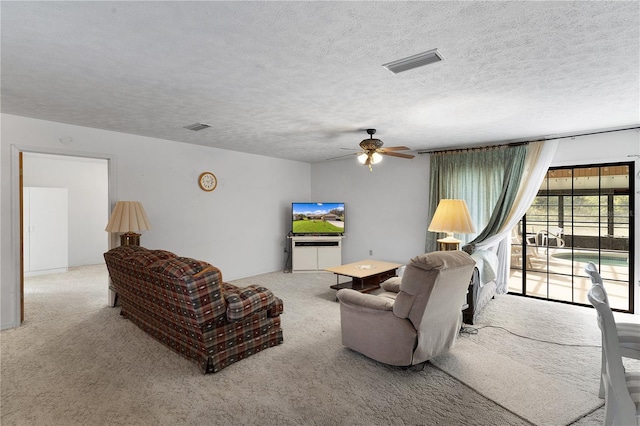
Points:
611	259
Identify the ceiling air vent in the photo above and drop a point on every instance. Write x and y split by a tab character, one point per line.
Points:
415	61
197	126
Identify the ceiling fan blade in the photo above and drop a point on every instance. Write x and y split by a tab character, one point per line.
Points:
397	154
342	156
396	148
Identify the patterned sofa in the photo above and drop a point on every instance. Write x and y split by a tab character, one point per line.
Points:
184	304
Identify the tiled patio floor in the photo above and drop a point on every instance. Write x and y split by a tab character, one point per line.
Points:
548	273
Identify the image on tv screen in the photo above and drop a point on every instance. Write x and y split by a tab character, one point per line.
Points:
317	218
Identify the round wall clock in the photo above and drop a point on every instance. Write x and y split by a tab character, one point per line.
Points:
207	181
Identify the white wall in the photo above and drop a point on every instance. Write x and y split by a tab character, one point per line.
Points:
614	147
240	227
87	182
387	208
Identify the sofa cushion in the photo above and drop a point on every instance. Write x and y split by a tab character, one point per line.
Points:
147	257
123	252
247	301
179	267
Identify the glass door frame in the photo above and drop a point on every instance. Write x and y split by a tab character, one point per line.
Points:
577	275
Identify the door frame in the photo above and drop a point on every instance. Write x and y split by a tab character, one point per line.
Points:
633	190
17	236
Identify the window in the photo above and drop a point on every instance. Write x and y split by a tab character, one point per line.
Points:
581	214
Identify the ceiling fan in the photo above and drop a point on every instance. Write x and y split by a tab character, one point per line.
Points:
372	150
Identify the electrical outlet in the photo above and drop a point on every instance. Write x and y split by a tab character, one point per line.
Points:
370	252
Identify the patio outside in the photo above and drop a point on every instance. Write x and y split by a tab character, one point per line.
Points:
580	215
555	275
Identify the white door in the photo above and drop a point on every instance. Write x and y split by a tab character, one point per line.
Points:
26	230
46	229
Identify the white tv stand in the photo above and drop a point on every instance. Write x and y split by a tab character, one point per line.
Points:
310	254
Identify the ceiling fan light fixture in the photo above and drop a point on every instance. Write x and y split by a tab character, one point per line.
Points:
376	158
371	144
373	157
373	152
421	59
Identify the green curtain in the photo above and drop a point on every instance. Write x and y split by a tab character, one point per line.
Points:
514	160
486	179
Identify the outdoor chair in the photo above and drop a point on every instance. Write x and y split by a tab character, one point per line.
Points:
516	250
548	239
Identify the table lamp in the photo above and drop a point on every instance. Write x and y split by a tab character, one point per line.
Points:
451	216
128	217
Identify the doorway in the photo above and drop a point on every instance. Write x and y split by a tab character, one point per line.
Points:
581	214
85	180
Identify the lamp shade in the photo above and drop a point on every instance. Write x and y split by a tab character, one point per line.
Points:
452	216
128	216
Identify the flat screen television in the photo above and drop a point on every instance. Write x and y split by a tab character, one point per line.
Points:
317	218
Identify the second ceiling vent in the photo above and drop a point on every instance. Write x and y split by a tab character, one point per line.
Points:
415	61
197	126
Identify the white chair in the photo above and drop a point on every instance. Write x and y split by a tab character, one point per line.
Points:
628	334
516	249
622	389
548	239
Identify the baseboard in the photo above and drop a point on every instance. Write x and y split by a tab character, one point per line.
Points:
45	272
6	326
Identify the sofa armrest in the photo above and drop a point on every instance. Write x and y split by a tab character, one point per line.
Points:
368	301
244	302
276	309
392	284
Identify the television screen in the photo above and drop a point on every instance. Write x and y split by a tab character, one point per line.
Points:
317	218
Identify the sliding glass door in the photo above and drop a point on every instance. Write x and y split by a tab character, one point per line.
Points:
581	214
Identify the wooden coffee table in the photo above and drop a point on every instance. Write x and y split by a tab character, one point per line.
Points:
366	275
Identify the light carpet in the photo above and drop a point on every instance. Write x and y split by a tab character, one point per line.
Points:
76	361
544	383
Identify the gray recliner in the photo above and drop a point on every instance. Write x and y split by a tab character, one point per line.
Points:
416	318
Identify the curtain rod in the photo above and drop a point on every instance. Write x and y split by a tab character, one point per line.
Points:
474	148
479	148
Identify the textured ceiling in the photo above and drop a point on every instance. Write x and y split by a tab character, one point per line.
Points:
297	80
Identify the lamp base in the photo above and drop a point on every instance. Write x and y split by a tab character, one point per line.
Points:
130	239
448	243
